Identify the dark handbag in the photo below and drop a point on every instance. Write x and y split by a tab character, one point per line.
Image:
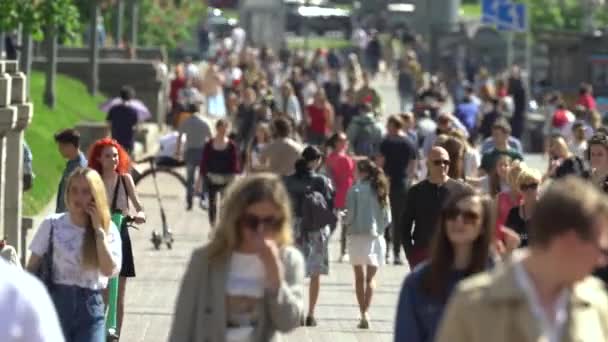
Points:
45	270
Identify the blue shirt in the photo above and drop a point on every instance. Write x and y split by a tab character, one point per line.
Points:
79	161
418	313
467	112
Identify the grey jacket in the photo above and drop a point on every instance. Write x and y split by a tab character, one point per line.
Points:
200	309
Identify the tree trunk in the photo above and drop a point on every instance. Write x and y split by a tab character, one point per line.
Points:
94	50
120	11
25	58
51	68
134	23
2	46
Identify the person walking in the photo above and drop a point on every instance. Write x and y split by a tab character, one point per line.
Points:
398	158
219	166
197	131
281	154
112	162
528	184
341	168
320	119
545	293
246	284
86	252
460	248
423	204
262	138
598	159
122	119
368	214
68	143
364	132
312	241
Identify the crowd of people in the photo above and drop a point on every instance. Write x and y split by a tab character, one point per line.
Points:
285	151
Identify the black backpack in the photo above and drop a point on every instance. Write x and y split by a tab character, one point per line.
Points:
574	166
316	211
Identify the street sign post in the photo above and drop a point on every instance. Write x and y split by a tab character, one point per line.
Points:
508	17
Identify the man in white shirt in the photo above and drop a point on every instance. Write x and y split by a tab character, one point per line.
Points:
27	313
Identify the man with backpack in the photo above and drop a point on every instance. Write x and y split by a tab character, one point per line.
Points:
365	132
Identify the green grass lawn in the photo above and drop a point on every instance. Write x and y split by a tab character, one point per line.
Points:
471	10
73	104
316	42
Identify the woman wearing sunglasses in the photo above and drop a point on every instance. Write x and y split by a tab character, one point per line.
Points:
368	214
598	159
247	283
460	248
528	182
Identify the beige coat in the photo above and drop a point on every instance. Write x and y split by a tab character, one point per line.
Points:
200	309
492	307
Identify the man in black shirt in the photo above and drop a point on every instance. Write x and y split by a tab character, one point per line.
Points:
424	202
122	119
398	158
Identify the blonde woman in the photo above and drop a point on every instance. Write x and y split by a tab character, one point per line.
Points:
262	137
247	283
86	252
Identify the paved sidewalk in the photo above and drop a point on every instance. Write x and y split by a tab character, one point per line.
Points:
151	295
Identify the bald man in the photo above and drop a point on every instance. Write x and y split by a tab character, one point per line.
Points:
424	202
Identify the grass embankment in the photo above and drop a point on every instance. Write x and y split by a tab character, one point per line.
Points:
73	104
470	11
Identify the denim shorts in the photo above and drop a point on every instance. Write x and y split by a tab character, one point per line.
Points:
81	313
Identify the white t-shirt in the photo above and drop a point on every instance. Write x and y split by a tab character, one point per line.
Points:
67	252
27	312
168	145
244	290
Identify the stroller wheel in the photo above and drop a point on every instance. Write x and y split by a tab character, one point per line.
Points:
156	240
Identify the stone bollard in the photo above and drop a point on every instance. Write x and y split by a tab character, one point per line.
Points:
8	119
14	154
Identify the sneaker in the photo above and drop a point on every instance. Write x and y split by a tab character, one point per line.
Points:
310	321
363	324
398	261
189	206
204	204
343	258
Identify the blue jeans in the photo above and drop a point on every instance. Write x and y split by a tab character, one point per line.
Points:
192	157
81	313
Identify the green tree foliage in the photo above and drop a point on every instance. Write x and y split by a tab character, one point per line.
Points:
38	16
169	23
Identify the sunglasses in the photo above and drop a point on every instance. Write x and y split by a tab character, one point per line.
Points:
468	216
531	186
441	162
253	222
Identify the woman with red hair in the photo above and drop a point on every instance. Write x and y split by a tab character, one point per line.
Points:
112	162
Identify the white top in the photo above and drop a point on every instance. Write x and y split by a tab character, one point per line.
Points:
232	74
244	290
255	155
67	252
552	328
28	314
579	149
168	144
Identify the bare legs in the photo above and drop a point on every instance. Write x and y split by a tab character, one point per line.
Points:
364	289
313	293
122	286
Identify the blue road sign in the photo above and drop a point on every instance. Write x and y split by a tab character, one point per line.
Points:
512	17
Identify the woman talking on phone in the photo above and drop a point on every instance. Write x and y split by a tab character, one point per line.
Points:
112	162
247	283
86	252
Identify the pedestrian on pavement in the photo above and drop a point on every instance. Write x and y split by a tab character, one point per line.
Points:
368	214
500	138
509	198
518	92
281	154
460	248
340	167
68	143
122	119
320	119
27	312
365	132
290	105
312	241
544	293
219	166
423	205
263	137
598	159
398	157
247	283
112	163
197	131
86	252
370	95
528	185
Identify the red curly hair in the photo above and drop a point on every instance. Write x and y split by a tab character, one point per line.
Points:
124	162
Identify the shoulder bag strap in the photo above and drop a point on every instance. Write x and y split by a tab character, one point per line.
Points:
115	196
124	186
49	251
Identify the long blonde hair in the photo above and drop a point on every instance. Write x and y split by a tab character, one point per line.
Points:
98	192
239	196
